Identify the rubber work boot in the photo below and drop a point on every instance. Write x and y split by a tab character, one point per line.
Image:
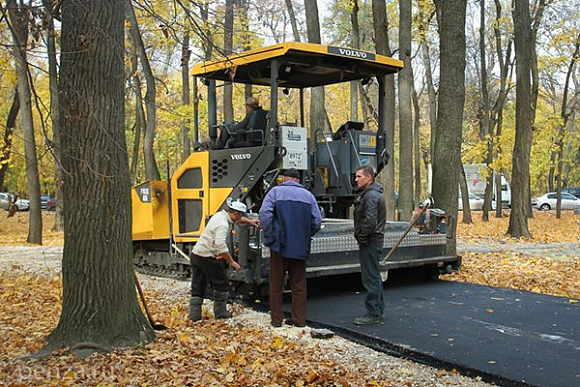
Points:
195	308
368	319
219	305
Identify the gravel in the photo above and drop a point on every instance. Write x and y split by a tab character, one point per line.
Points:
360	359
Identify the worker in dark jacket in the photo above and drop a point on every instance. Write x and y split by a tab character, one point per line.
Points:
369	227
289	217
248	132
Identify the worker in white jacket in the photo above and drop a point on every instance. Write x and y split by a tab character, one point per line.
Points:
206	260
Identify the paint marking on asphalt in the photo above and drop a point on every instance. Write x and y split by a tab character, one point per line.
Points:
511	331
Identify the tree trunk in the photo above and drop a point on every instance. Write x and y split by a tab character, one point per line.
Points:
295	31
417	148
317	111
54	112
185	93
505	65
518	225
151	170
405	118
99	302
381	29
432	97
364	107
486	128
228	47
19	19
464	197
140	122
447	154
355	44
539	13
552	171
6	148
207	41
243	4
565	114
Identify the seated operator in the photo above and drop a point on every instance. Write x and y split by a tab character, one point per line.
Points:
249	132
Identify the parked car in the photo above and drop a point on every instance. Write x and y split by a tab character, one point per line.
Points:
475	202
23	204
6	199
51	204
548	201
43	199
572	190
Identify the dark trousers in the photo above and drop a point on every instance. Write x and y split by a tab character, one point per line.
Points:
370	256
296	269
207	270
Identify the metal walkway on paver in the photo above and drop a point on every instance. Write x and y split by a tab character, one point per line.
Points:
510	337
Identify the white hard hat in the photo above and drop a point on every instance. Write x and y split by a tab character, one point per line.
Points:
238	206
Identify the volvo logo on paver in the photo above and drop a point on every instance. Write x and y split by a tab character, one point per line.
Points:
351	52
243	156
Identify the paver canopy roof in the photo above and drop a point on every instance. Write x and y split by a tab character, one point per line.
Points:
300	65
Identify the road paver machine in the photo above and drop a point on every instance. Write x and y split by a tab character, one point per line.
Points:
169	216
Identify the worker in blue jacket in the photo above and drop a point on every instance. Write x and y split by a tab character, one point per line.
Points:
289	217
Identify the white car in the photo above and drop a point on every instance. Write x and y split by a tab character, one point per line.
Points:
6	199
475	202
548	201
23	204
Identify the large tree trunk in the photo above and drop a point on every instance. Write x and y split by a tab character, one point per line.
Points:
405	115
54	111
317	111
447	155
19	19
518	225
185	93
381	29
99	302
6	148
228	47
151	170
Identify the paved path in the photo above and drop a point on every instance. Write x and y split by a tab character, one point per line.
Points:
508	337
559	251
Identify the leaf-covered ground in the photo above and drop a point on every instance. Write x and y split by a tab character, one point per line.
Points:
208	353
202	354
544	226
237	353
552	266
14	230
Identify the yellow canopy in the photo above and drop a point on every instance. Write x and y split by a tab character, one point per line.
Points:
300	65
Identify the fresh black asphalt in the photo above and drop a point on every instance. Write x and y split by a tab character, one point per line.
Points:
509	337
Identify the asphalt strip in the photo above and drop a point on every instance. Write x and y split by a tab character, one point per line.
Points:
507	337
